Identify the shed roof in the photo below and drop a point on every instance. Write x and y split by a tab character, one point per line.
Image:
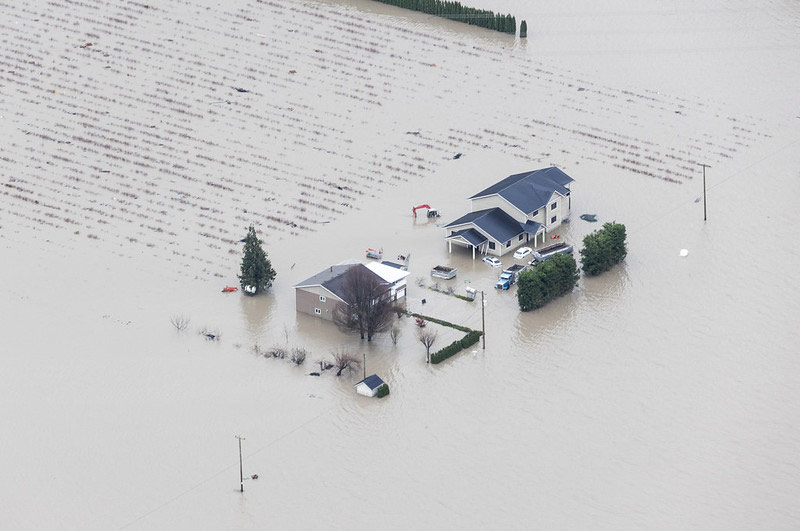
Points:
373	382
531	190
333	278
493	221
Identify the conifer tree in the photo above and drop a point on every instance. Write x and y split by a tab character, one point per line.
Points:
256	270
523	29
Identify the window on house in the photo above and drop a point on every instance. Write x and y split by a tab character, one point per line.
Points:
322	298
534	213
553	219
520	237
508	243
491	245
317	311
554	205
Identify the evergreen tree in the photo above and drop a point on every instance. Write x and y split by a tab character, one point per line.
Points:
523	29
256	268
552	278
603	248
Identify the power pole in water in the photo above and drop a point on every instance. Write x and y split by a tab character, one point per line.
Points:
365	364
483	320
241	474
705	217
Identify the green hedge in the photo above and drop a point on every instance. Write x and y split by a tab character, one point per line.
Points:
456	346
383	390
439	321
456	11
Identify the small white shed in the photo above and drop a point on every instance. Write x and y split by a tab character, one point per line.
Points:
369	385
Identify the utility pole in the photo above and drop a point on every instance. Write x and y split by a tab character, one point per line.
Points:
365	364
705	217
483	320
241	474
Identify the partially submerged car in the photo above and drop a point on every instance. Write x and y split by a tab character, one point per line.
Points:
492	261
522	252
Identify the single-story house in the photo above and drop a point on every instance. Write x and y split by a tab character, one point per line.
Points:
393	276
369	385
320	294
513	211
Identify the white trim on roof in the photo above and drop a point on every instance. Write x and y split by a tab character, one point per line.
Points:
387	273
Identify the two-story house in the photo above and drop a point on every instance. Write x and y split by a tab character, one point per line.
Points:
514	211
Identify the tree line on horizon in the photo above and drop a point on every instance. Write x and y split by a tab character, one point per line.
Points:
461	13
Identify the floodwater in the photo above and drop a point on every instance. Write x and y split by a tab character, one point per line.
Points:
662	394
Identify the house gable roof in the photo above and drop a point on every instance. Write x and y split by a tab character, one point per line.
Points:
471	236
493	221
531	190
333	279
373	382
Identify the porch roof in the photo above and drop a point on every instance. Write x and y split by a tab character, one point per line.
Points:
472	236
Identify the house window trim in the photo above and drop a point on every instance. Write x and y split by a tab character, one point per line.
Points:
553	219
322	298
491	246
554	205
317	311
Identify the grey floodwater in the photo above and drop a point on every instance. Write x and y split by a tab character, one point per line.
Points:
662	394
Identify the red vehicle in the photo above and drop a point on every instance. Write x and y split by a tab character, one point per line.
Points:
229	289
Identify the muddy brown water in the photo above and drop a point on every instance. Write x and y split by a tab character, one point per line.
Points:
660	394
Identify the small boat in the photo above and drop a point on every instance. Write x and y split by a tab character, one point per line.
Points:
229	289
589	217
372	253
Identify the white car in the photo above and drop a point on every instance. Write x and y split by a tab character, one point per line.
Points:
522	252
492	261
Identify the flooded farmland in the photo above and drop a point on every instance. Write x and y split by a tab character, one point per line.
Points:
140	140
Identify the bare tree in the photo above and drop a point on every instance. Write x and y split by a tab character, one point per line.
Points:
368	307
180	322
299	355
344	361
427	338
394	333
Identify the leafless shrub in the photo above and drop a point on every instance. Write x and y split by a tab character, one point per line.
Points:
394	333
257	350
420	322
427	338
180	322
343	360
211	335
420	282
276	352
299	355
450	290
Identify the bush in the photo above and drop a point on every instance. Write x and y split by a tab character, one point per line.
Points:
603	248
299	355
456	11
456	346
383	390
523	29
552	278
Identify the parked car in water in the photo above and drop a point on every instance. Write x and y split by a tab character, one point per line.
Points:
492	261
522	252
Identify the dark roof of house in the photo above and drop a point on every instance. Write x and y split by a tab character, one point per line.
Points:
333	278
393	264
531	227
529	191
471	235
373	382
492	221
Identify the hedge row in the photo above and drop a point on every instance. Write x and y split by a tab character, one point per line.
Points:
456	346
439	321
455	11
383	390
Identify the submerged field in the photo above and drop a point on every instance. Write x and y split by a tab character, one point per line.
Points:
141	139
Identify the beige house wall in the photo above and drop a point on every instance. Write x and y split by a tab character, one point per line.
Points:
308	299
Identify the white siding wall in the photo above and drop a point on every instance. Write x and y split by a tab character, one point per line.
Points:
492	201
